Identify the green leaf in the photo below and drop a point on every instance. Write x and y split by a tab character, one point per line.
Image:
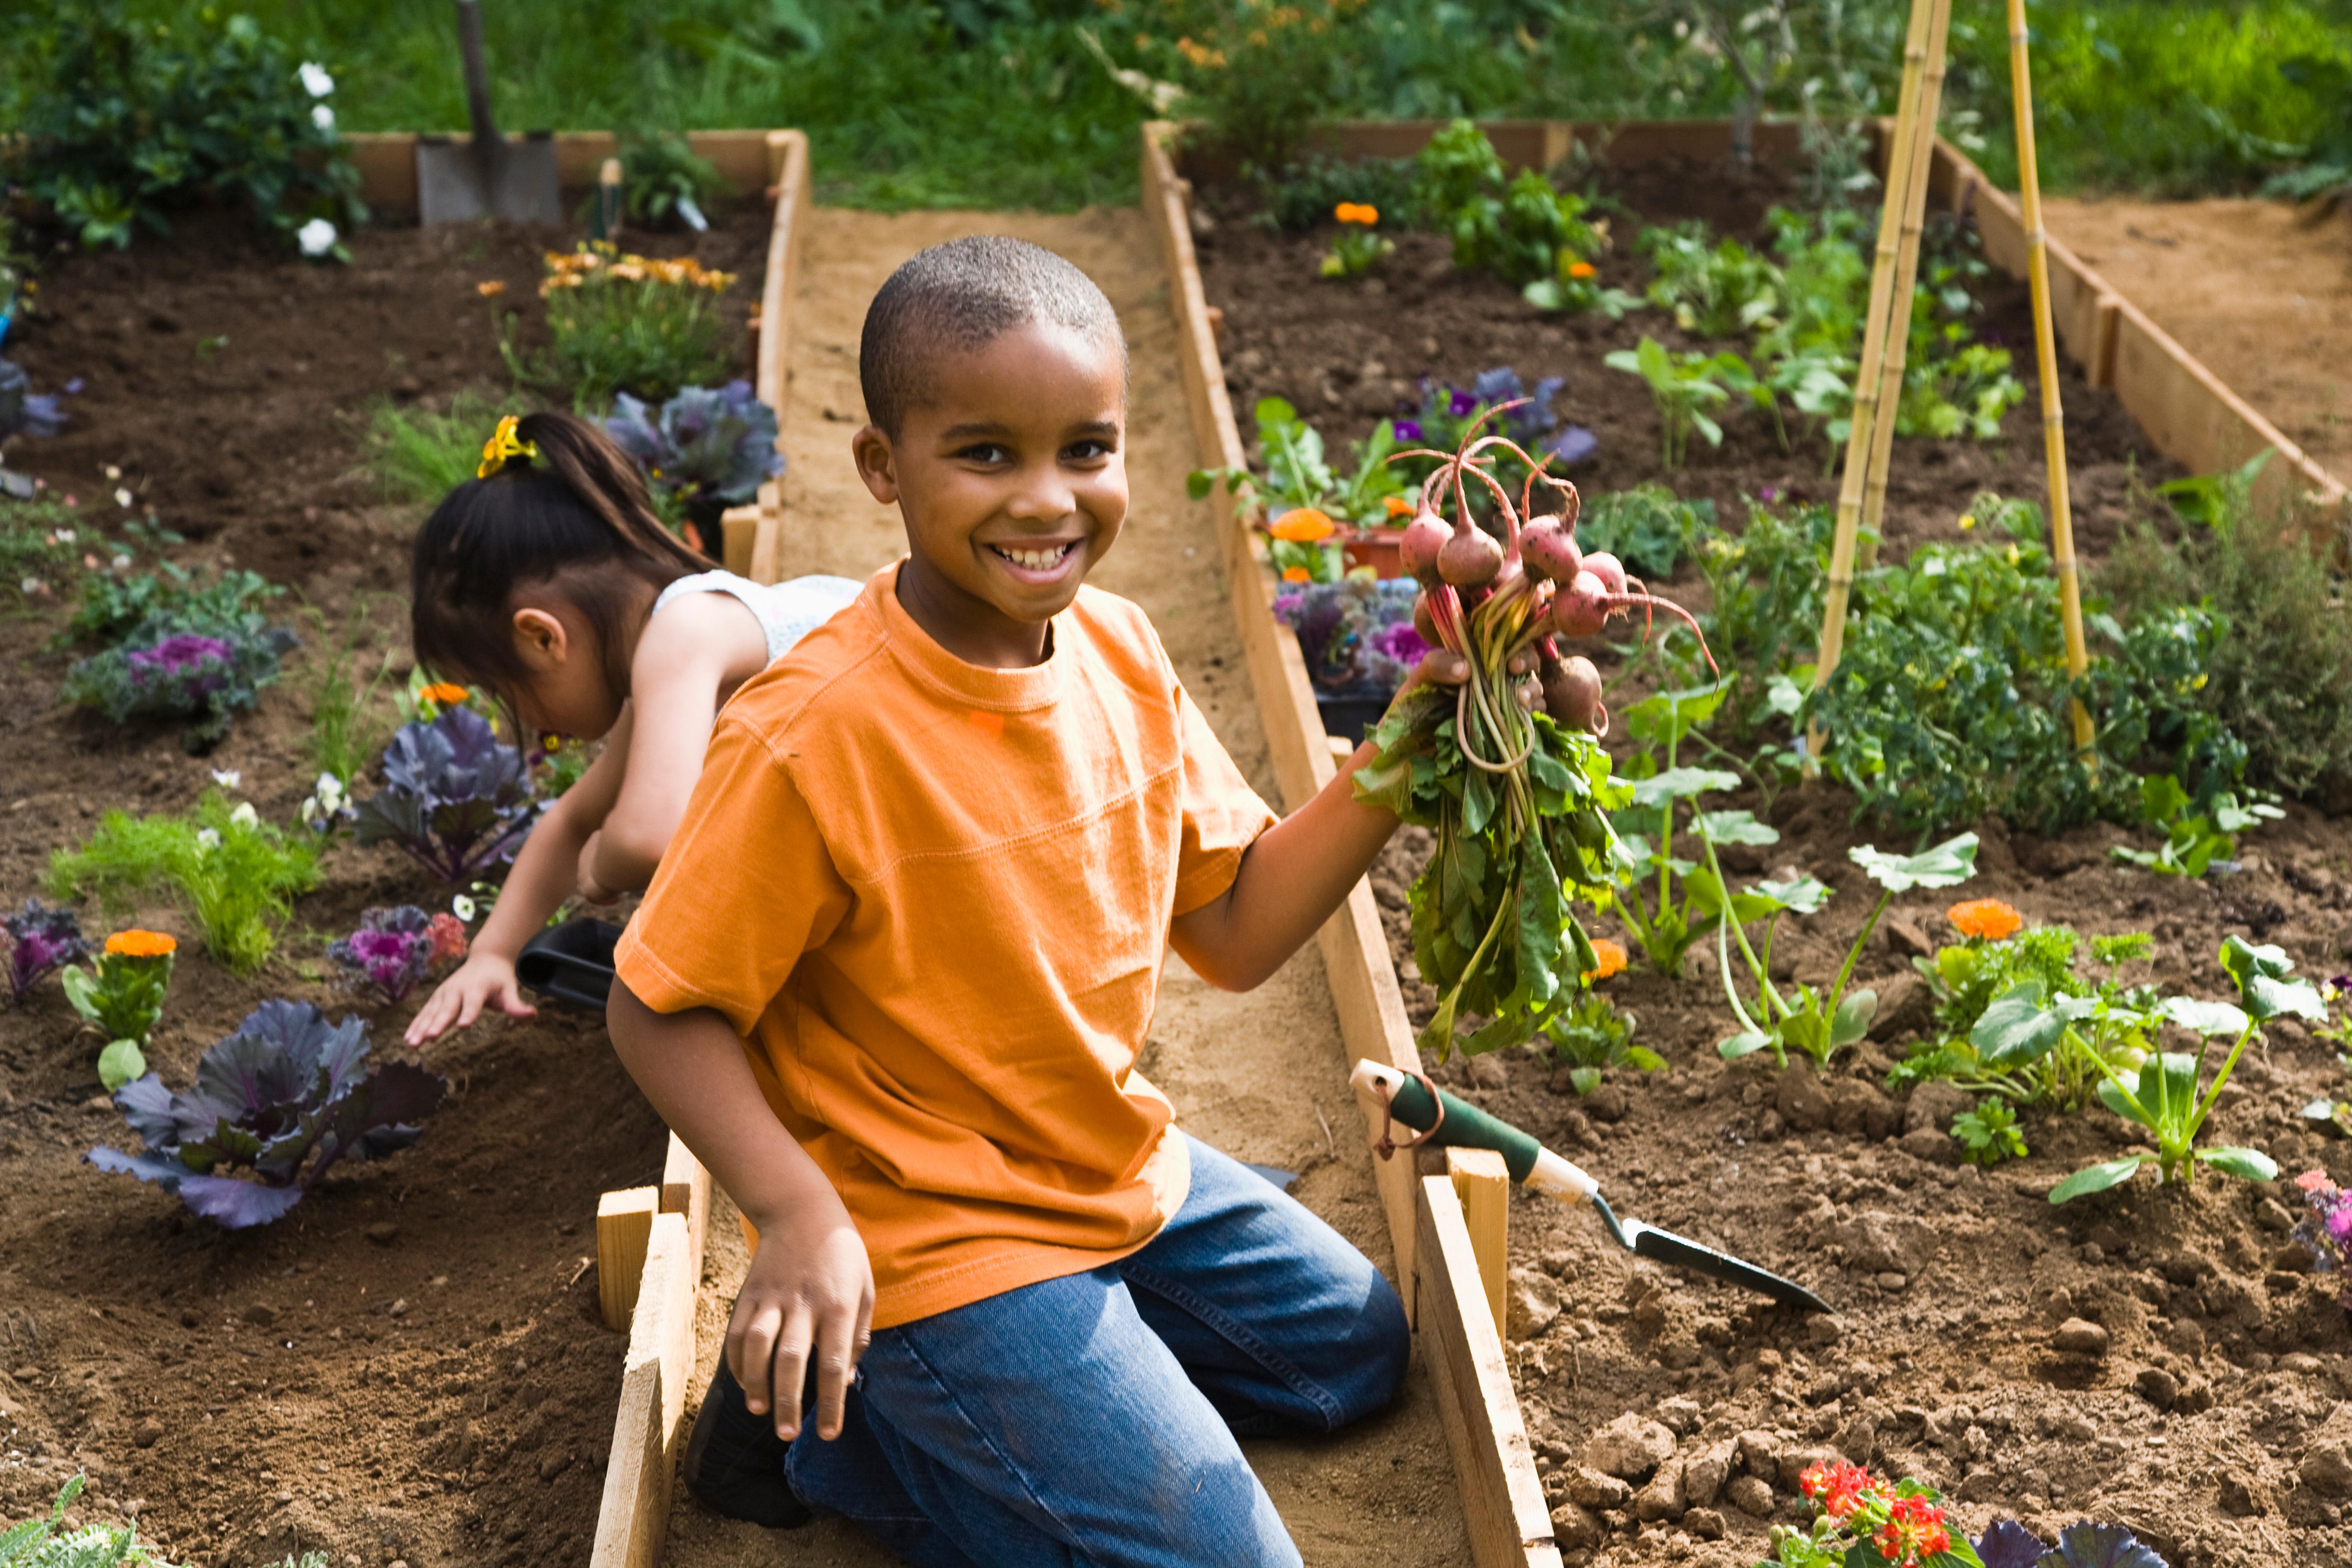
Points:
1783	696
1853	1019
81	990
1737	828
1747	1042
1946	865
2267	998
2015	1028
1199	483
2244	959
1801	896
2096	1178
2206	1018
2251	1163
119	1063
2113	1096
1676	782
1584	1081
1645	1059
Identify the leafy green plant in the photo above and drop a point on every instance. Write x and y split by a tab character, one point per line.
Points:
1988	1134
663	178
1716	290
1299	478
111	608
40	1542
621	323
1590	1037
418	454
1520	228
1304	195
1358	247
1649	527
122	121
2193	837
170	669
233	874
2166	1099
1819	1024
122	993
348	724
1684	387
1258	75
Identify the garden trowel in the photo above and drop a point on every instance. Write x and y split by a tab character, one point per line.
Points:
1461	1125
488	176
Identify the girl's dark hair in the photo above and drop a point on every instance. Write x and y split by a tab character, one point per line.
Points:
579	510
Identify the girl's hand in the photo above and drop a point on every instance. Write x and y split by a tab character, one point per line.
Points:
807	1302
485	980
591	889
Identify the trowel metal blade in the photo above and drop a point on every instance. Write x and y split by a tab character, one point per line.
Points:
1665	1247
449	182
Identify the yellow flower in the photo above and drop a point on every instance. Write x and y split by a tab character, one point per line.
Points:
1968	523
503	445
1581	269
1302	525
1297	574
490	288
1610	956
1987	919
142	944
444	694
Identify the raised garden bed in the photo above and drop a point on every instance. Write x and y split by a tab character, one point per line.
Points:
411	1366
2200	1410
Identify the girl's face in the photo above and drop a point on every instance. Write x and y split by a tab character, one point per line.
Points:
564	691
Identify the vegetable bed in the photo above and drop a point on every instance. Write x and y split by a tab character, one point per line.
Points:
409	1366
2161	1357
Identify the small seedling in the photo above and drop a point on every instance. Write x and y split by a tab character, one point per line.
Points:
122	994
1684	386
1989	1134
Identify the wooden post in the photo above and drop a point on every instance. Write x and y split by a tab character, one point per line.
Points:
634	1517
1922	148
2045	359
1483	1182
1899	161
686	1192
624	1222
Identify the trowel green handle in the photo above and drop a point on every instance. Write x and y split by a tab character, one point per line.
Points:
1467	1127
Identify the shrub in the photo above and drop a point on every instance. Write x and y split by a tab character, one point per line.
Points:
124	122
1259	74
233	874
1306	194
2279	674
286	1088
622	321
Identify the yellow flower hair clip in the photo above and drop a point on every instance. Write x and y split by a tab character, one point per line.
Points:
502	447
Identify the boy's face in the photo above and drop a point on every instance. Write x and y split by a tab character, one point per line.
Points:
1012	475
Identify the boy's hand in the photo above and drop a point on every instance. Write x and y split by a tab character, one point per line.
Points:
808	1299
485	980
1440	667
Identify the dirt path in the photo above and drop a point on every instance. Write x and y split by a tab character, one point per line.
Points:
2260	293
1261	1075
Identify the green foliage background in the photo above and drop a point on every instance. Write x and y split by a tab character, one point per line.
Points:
999	103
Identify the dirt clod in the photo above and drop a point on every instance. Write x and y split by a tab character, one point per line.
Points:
1631	1447
2080	1336
1531	1300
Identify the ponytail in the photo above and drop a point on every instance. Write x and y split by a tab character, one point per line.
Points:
572	504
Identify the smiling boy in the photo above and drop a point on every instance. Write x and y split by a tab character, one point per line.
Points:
890	983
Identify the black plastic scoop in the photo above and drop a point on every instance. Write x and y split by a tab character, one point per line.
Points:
1461	1125
570	963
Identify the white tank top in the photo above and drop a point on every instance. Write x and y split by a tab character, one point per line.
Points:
786	611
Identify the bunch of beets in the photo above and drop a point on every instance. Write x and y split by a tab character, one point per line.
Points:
1516	790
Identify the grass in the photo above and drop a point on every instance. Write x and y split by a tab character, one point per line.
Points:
419	454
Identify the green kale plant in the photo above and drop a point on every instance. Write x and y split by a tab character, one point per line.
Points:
235	875
111	607
1717	291
1988	1134
1649	527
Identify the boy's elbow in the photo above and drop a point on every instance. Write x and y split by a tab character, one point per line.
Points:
1227	972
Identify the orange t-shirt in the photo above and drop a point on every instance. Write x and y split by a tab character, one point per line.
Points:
934	900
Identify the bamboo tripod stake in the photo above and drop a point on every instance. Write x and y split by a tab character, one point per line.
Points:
2045	352
1913	132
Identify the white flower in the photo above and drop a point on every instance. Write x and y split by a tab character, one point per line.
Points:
120	562
322	117
63	535
32	585
462	908
245	816
330	791
124	498
315	79
316	237
228	778
207	838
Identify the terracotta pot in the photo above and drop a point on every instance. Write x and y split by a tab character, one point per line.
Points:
1381	549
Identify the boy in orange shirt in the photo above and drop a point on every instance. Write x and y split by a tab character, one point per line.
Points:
891	978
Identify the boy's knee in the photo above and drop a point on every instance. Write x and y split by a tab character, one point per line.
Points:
1381	1346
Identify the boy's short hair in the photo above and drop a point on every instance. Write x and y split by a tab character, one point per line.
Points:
963	296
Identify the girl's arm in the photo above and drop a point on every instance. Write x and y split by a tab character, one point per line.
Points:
541	879
697	650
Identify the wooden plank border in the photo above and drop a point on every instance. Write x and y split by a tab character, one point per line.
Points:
772	160
1438	1269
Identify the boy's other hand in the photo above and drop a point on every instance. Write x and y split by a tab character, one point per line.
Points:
807	1301
486	980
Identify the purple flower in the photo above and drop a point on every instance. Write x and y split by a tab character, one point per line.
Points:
40	942
1768	494
1408	430
2338	1219
1462	403
391	951
1401	643
1286	606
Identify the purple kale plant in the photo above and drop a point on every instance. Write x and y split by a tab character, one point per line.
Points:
392	950
205	669
40	942
456	798
1354	633
275	1106
2008	1544
706	444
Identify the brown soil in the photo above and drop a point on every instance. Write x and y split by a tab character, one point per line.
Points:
1347	355
2258	290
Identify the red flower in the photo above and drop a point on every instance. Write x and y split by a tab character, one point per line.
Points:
1839	1488
1913	1531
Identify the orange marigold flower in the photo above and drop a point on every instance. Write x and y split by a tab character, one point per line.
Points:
1988	919
444	693
488	287
1610	957
1399	507
1357	212
1297	574
1581	269
1913	1531
142	944
1303	525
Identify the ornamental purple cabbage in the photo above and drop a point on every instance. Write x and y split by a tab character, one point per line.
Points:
40	941
391	951
707	443
454	798
285	1097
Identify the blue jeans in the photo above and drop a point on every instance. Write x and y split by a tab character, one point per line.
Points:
1091	1419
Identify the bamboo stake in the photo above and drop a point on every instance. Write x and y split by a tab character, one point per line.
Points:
1873	349
2045	353
1906	277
